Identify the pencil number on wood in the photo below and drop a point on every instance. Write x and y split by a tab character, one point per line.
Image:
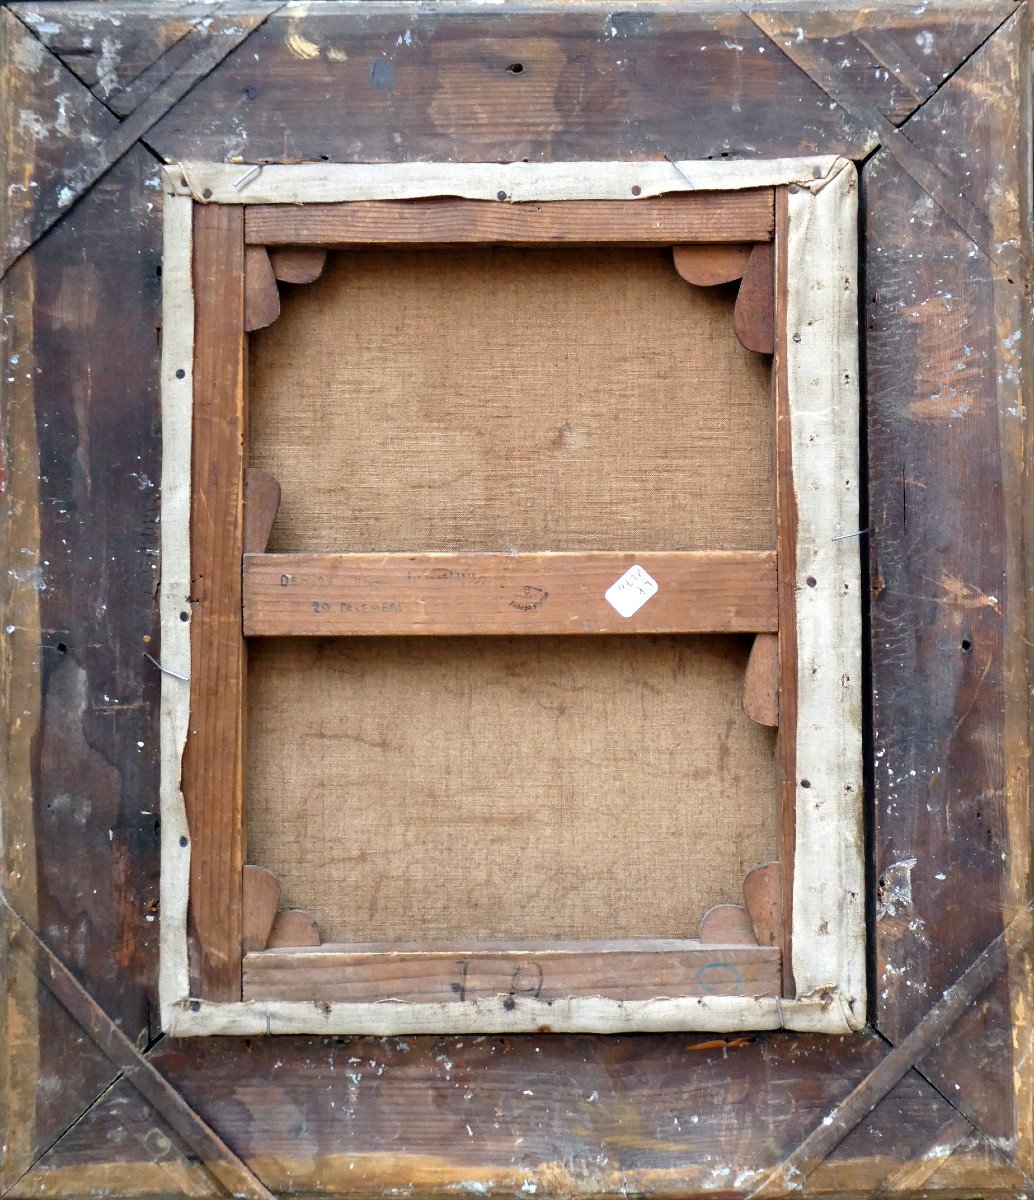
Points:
482	978
632	970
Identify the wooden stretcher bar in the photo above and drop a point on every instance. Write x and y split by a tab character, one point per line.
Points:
622	970
745	216
544	593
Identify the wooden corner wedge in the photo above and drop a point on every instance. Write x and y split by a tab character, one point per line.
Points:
293	928
261	898
754	315
728	925
261	294
706	265
261	504
298	264
763	895
761	681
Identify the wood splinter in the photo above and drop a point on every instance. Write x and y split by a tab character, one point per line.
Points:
261	294
261	504
761	680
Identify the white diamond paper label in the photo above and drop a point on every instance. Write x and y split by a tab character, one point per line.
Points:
629	593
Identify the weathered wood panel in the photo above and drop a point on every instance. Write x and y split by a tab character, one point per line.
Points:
946	338
47	119
938	589
699	81
124	52
81	430
895	58
454	83
120	1147
786	508
42	1093
578	1115
96	311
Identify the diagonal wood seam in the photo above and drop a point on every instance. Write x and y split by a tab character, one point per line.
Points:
123	88
790	1174
124	99
227	1168
948	1137
941	188
102	157
77	1120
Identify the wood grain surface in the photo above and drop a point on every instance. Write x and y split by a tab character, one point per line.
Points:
706	265
79	535
597	1115
549	971
298	264
261	295
449	594
947	620
687	217
702	81
755	316
761	682
987	102
786	540
213	759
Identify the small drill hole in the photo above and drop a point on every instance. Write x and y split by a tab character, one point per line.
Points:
181	374
207	193
636	190
811	581
183	841
805	783
62	648
184	616
515	68
967	644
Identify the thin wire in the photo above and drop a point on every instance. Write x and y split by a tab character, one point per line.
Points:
166	670
239	183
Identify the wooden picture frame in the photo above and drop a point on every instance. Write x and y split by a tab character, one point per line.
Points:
218	282
933	1095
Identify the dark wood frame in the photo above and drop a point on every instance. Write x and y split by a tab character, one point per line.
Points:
936	1096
